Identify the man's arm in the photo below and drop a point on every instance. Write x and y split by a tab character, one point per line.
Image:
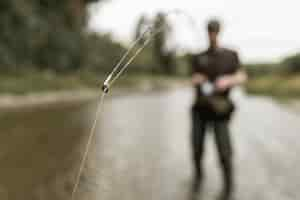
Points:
198	78
229	81
239	77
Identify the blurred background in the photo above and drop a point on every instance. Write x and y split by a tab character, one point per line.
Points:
55	55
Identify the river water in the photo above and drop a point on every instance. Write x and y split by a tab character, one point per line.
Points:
141	150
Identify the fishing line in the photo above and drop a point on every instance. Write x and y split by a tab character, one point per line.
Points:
112	77
115	74
139	50
87	147
126	54
117	71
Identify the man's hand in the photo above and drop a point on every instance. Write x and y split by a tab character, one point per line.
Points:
228	81
198	79
224	83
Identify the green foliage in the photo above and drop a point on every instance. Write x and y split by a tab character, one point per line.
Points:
164	57
262	69
146	61
292	63
101	53
154	58
140	28
41	33
278	85
289	65
278	79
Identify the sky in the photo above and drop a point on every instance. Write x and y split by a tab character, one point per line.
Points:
261	30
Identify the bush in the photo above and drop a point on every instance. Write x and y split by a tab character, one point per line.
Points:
41	33
292	63
101	52
255	70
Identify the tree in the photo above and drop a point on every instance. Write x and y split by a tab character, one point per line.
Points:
292	63
164	56
142	25
43	33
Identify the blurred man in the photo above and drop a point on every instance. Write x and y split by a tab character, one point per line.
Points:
214	73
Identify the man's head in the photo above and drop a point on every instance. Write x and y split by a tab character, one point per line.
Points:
213	29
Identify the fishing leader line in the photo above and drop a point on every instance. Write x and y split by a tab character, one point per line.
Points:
117	71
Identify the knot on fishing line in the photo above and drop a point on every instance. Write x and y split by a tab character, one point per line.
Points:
105	88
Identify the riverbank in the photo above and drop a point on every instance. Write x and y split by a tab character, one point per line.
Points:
36	88
61	89
35	81
275	85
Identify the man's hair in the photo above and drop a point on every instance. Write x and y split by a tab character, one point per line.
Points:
213	25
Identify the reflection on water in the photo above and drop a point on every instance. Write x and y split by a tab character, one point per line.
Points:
141	150
38	150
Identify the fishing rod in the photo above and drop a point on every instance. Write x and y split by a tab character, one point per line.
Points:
106	84
150	32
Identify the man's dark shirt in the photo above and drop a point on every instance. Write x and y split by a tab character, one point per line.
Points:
214	63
